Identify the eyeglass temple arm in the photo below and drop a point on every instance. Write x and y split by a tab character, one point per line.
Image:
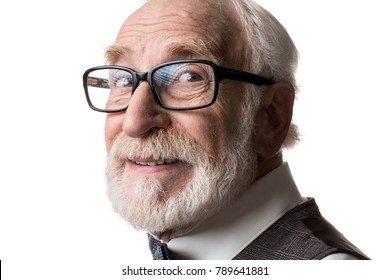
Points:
98	82
237	75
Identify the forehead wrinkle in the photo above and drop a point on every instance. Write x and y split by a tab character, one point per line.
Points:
212	39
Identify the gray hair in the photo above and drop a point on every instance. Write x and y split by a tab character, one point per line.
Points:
270	51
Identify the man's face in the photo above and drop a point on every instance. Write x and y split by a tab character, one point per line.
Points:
167	170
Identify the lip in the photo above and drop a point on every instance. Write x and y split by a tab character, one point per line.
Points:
152	165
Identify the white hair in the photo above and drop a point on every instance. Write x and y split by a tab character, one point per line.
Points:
270	51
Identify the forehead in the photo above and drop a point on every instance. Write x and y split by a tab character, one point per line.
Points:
178	27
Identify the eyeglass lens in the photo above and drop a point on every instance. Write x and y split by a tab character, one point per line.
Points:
179	85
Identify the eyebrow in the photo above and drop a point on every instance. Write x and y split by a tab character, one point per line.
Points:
113	53
179	49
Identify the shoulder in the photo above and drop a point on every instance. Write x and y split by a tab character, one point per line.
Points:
302	233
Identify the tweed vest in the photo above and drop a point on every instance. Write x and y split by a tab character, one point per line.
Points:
301	234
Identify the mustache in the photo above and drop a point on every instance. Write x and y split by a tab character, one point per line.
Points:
163	144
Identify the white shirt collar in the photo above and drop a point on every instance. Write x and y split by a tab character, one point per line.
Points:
227	233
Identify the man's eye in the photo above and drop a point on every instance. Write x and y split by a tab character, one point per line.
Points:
189	77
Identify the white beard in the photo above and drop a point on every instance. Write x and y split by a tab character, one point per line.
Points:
215	181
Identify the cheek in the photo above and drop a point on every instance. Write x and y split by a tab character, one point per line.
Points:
229	104
210	129
113	127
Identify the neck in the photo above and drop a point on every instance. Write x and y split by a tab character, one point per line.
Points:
265	165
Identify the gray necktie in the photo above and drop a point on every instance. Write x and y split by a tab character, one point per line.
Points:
158	249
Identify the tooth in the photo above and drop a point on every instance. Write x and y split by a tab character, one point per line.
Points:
154	163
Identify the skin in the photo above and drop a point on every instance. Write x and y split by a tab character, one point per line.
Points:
146	39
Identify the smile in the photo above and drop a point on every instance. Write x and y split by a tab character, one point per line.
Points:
154	163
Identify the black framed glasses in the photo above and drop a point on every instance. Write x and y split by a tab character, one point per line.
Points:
176	85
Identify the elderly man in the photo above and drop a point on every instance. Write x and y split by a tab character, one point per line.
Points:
199	99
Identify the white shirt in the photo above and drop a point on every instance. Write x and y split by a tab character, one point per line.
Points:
224	235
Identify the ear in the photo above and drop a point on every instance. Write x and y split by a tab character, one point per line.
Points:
273	119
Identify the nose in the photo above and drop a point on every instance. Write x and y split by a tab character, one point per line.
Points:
143	114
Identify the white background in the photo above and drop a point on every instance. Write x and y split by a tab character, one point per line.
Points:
54	214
